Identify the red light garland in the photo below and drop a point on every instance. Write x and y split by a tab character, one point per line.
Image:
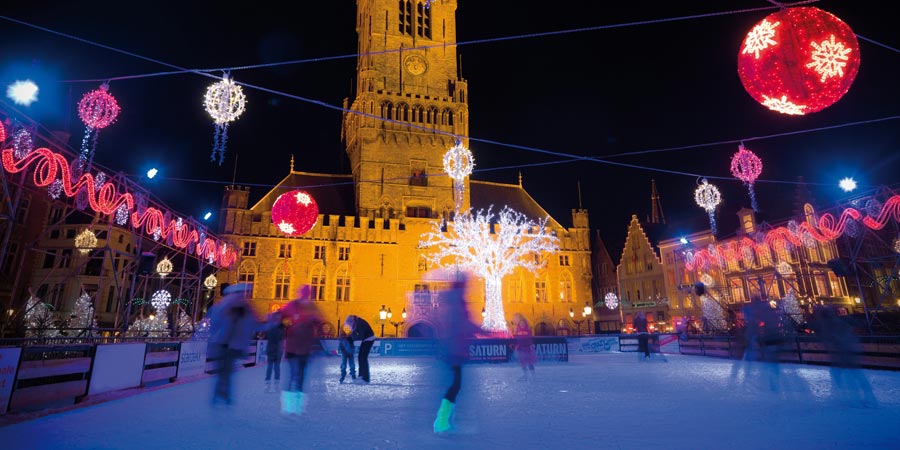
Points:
2	132
295	213
799	60
50	167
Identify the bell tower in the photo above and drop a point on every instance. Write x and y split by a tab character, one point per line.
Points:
410	107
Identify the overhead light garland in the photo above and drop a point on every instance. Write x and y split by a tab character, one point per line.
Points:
708	197
225	102
747	167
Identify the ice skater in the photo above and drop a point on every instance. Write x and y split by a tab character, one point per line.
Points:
360	330
302	320
455	331
347	350
274	348
232	322
525	347
640	327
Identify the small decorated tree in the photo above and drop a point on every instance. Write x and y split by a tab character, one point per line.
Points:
39	319
184	326
82	321
151	326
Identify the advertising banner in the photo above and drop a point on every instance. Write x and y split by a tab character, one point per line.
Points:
192	358
9	362
408	347
551	349
490	350
594	344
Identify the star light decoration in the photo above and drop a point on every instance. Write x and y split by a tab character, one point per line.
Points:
799	60
225	102
86	241
458	163
295	213
747	167
160	300
708	197
164	267
98	109
611	300
490	247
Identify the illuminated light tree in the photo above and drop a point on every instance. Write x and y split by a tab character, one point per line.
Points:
82	321
225	102
295	213
97	109
708	197
151	326
747	167
491	249
798	60
713	313
40	322
792	307
458	163
184	326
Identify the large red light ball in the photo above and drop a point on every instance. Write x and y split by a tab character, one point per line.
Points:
98	109
799	60
295	213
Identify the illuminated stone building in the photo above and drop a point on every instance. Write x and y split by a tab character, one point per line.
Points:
410	107
641	282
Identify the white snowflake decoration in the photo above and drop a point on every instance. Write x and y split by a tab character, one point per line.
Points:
157	233
760	38
122	214
286	227
55	189
829	58
22	143
783	105
611	300
303	198
160	300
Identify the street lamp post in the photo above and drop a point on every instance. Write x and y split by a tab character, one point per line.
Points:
587	314
398	324
577	322
382	316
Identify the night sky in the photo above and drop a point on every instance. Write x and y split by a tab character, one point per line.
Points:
601	89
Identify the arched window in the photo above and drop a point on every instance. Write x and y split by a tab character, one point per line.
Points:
403	112
283	282
317	283
387	110
342	283
565	288
514	290
423	21
247	274
431	115
540	290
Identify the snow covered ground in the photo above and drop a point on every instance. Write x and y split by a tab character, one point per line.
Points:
602	401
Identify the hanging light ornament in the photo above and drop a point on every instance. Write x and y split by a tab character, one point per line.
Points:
160	300
458	163
746	166
708	197
611	300
86	241
295	213
22	143
784	268
164	267
97	109
225	102
211	281
799	60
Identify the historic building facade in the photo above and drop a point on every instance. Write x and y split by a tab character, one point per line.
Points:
363	255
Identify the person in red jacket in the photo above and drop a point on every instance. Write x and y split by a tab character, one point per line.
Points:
302	321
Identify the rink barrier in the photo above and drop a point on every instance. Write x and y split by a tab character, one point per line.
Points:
160	362
51	374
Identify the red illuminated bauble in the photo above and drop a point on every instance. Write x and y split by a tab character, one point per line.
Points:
295	213
799	60
98	109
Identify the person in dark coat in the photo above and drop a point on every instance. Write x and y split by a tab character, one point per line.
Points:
232	323
274	349
640	327
525	347
360	330
347	351
301	319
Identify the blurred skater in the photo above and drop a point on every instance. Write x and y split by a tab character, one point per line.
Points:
301	320
360	330
455	331
232	322
640	327
849	382
525	346
347	350
274	335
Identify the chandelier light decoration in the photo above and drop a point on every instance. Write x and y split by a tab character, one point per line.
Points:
708	197
747	167
295	213
225	102
611	300
86	241
458	163
160	300
799	60
470	244
164	267
98	109
784	268
211	281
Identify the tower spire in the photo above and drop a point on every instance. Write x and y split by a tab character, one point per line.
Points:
656	212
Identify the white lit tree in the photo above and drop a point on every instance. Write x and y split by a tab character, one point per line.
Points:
39	319
82	321
491	247
150	326
184	326
713	313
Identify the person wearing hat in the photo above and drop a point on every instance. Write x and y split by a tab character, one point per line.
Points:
232	322
301	320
